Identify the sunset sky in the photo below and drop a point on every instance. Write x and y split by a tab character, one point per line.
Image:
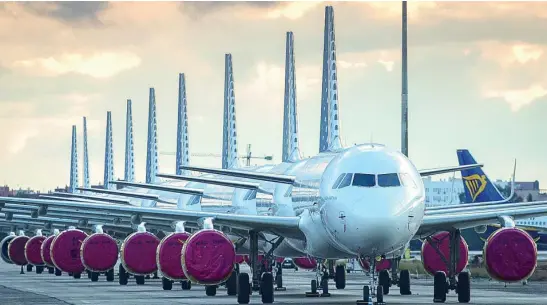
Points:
477	80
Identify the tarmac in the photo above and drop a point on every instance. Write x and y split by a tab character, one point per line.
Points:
32	288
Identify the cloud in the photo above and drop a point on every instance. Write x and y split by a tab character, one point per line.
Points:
292	10
519	98
100	65
72	12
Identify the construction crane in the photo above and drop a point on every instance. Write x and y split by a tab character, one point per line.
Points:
247	156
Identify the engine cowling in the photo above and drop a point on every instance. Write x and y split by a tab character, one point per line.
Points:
306	263
433	262
240	259
510	255
138	253
169	253
65	251
99	252
208	257
365	265
16	250
45	250
4	245
33	250
382	264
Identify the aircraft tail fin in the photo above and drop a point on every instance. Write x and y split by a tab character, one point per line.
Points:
86	156
129	171
73	163
152	144
477	185
182	128
229	137
108	154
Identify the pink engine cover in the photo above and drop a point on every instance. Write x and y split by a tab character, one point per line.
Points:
16	250
99	252
365	265
168	255
65	250
138	253
240	259
383	264
510	255
46	251
5	244
432	261
33	250
305	262
208	257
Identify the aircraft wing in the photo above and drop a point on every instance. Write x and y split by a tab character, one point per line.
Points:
278	225
469	217
444	170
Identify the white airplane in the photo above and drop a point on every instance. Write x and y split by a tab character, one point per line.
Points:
358	202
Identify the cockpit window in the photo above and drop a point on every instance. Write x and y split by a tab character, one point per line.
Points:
388	180
364	180
407	180
337	182
346	181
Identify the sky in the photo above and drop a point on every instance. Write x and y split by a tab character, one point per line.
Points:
477	80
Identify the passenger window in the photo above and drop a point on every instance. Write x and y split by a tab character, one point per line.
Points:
337	182
346	181
364	180
407	181
388	180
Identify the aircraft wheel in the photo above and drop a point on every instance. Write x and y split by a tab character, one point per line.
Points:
139	279
58	272
110	275
167	284
186	285
123	276
380	294
404	282
439	287
384	281
94	276
464	287
50	270
340	277
313	286
231	284
88	274
29	267
243	288
211	291
78	275
39	269
267	288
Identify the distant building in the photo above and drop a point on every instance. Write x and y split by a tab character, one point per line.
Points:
442	192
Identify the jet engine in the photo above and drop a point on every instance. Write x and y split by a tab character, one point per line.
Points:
138	253
430	256
33	251
4	245
306	263
208	257
99	252
240	258
45	250
16	250
365	265
65	251
168	255
510	255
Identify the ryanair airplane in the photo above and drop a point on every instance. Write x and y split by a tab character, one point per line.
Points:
479	189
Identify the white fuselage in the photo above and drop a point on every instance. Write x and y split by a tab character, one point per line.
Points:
341	222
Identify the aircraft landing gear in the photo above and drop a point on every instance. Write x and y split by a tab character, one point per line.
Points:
443	283
323	274
123	275
279	277
372	290
340	277
231	283
186	285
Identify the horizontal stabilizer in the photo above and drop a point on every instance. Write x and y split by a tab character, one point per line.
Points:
92	197
444	170
284	179
153	197
164	188
229	183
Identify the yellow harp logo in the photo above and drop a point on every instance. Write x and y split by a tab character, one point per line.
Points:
475	184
